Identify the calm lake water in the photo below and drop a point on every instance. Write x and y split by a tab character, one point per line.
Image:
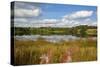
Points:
51	38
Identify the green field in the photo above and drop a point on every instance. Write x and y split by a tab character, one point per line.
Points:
91	31
29	52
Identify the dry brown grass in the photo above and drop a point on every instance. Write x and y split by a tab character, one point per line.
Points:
29	52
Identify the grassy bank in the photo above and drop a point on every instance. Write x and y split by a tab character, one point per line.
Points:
29	52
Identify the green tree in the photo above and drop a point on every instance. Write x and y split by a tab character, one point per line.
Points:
83	31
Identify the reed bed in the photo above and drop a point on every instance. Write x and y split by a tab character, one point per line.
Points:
29	52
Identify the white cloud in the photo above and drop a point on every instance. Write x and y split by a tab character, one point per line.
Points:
45	23
87	19
27	5
27	12
93	24
20	20
36	12
78	18
23	9
79	14
24	13
49	20
52	23
67	21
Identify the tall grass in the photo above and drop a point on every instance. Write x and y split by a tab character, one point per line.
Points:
29	52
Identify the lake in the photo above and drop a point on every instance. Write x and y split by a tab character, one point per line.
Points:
51	38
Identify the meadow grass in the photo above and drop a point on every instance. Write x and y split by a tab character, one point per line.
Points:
29	52
91	31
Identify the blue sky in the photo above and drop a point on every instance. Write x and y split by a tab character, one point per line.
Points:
56	11
28	14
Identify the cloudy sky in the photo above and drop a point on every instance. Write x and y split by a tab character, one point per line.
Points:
27	14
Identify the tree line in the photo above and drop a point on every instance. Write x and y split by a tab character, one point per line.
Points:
78	30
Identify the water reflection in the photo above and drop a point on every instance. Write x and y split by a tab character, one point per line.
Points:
51	38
